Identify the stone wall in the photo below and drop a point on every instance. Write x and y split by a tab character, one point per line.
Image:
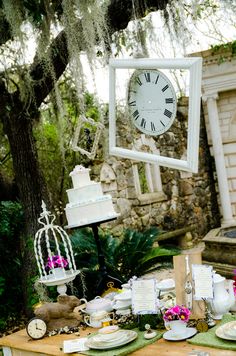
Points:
180	198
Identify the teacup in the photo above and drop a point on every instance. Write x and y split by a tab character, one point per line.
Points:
97	319
57	272
178	327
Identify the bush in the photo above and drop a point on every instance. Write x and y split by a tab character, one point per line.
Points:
132	255
11	223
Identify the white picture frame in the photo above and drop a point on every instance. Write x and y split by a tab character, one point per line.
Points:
81	124
194	66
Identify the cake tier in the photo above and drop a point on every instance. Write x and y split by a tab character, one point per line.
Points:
80	176
85	194
88	212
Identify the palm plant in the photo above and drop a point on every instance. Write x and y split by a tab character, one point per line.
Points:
133	254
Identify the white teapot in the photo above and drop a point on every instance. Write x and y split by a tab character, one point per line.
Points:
223	296
97	304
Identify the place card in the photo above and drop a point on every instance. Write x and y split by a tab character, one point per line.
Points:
144	296
76	345
203	281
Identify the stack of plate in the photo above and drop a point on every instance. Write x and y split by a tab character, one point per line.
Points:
227	331
123	302
104	341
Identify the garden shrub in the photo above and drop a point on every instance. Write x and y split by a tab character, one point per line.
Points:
11	223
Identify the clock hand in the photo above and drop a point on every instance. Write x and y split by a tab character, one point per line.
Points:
36	326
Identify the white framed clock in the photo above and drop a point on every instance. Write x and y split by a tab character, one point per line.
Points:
151	101
152	106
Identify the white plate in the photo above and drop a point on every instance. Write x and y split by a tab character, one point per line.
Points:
166	285
130	336
123	311
172	337
123	296
99	341
122	306
222	330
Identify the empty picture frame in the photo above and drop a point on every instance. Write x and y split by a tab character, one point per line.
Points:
194	66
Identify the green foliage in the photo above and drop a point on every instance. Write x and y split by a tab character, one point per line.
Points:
85	250
11	223
221	49
52	135
2	285
131	255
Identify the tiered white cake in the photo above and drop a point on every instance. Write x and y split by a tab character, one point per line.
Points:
87	203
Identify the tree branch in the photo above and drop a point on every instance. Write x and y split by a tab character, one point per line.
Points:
119	13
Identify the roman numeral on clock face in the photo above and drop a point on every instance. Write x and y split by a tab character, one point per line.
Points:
153	126
143	123
138	81
147	77
167	113
169	100
157	79
136	114
165	87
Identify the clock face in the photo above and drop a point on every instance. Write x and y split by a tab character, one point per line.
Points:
36	328
152	101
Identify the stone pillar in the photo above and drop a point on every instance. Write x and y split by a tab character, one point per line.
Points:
218	152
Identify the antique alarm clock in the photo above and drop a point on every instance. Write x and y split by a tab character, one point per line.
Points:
152	101
36	328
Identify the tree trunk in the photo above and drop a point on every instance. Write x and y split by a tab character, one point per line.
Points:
32	190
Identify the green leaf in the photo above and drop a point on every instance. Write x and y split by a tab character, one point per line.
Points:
159	252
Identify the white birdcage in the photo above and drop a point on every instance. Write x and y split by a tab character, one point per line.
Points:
54	254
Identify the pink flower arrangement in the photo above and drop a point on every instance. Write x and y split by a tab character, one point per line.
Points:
56	261
177	313
234	278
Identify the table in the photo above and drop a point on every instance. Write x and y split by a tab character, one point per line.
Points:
19	344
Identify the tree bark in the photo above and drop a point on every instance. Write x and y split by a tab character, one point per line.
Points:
32	190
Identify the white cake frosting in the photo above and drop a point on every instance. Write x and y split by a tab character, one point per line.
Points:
87	203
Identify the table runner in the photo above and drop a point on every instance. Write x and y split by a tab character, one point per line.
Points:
137	344
211	340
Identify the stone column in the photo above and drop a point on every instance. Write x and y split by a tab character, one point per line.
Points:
218	152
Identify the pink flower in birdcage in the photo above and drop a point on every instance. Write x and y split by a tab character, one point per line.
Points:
177	313
56	261
234	278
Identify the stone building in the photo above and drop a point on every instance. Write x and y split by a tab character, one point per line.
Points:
219	98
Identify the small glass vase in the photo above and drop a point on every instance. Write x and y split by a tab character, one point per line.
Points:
178	327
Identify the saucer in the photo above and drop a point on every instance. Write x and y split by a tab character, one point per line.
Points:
226	331
127	337
123	311
170	336
123	296
122	305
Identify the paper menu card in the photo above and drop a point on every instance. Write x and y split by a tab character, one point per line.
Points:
203	281
75	345
144	296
